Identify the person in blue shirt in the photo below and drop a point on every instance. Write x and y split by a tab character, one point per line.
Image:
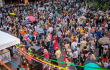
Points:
30	36
93	33
51	47
98	33
33	38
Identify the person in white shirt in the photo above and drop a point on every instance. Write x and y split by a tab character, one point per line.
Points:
105	46
75	56
74	43
70	53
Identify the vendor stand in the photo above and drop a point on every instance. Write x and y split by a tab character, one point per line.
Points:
6	54
6	41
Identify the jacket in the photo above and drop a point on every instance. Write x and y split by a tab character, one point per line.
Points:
108	54
61	40
55	45
82	44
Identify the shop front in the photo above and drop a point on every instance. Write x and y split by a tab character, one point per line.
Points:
15	1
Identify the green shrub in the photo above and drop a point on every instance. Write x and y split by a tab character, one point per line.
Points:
105	7
98	5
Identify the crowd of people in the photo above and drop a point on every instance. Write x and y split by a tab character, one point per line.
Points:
67	27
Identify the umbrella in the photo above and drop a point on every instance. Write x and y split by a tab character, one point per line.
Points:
91	65
25	22
39	30
66	17
104	40
12	14
67	39
35	47
50	29
46	4
56	13
88	61
41	8
92	12
27	17
82	17
31	18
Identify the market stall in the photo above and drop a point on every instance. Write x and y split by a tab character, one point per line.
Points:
6	41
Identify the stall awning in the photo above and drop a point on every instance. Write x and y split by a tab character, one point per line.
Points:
7	40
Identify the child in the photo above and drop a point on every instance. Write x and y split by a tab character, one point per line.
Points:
29	49
106	64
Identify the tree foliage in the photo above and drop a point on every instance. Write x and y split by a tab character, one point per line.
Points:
100	3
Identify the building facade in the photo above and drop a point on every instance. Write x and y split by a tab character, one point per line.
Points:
12	2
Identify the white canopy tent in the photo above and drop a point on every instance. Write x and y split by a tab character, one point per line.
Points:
7	40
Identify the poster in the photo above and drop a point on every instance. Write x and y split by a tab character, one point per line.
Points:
7	56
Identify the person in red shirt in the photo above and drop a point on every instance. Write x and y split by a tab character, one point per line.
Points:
55	45
59	21
65	57
46	54
23	65
105	58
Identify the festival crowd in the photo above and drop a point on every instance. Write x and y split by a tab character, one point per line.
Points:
63	28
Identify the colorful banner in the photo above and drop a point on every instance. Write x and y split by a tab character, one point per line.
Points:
33	58
5	65
11	62
7	56
61	62
25	53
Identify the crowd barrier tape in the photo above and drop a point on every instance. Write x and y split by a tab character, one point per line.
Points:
55	66
34	58
64	62
12	62
5	65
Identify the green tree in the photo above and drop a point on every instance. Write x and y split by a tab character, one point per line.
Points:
100	4
99	1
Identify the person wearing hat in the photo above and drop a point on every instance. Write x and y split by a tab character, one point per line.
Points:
75	56
70	53
57	53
